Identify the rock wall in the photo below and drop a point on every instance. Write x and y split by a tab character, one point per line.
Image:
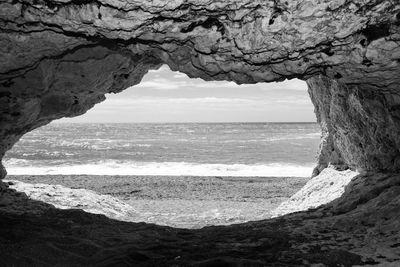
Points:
327	186
59	58
65	87
360	126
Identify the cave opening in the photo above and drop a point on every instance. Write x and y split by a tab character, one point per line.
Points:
185	152
59	59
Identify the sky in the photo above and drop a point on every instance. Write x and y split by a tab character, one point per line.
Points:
167	96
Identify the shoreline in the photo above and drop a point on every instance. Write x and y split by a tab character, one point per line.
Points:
179	201
173	187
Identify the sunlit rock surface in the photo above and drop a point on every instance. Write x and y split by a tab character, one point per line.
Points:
59	58
67	198
360	125
322	189
200	203
359	228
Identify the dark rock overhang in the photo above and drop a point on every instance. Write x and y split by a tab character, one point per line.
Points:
60	57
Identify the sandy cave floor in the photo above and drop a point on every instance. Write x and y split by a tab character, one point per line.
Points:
360	228
178	201
54	237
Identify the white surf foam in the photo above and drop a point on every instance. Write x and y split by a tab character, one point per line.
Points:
160	168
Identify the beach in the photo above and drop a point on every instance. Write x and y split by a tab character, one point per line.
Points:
187	175
182	201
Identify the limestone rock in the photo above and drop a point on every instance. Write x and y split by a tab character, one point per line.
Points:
360	125
66	198
322	189
60	57
358	229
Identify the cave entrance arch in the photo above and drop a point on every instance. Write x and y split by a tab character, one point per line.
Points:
61	57
253	131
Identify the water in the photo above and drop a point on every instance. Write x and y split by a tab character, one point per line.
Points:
198	149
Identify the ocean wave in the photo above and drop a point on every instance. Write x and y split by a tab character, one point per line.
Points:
110	167
316	134
275	139
38	155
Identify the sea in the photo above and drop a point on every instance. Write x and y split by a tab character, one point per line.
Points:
170	149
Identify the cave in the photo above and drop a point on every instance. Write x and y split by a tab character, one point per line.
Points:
59	59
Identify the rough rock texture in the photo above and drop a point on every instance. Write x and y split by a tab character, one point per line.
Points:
59	58
67	198
360	228
176	201
360	125
322	189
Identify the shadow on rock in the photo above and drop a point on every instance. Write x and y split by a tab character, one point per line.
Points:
33	233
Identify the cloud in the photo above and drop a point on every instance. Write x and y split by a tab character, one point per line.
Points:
220	84
116	102
164	95
180	75
158	85
294	98
179	83
164	79
178	80
288	85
